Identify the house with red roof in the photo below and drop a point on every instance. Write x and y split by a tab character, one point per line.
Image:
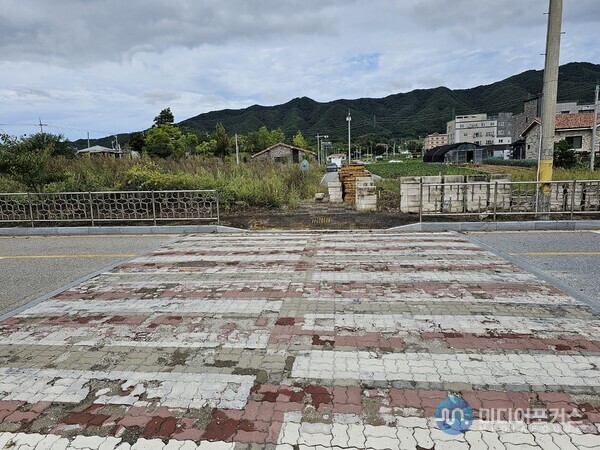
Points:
576	129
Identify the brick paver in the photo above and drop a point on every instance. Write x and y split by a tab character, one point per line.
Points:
303	341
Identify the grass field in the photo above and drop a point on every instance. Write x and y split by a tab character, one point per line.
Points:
415	168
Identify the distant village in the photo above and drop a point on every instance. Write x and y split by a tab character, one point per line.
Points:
475	137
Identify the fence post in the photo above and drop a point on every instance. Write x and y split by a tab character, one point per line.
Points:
91	206
573	197
400	190
30	209
421	200
218	210
464	193
495	199
153	209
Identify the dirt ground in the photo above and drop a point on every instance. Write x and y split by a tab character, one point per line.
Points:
302	220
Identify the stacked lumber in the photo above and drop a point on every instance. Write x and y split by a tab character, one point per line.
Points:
348	175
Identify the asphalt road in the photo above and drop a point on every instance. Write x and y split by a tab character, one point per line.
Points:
33	266
572	257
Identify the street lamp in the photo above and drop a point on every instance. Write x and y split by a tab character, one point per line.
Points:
348	119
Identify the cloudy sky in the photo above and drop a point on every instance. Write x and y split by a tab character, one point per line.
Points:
109	66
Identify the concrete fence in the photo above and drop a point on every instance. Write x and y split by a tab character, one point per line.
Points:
493	194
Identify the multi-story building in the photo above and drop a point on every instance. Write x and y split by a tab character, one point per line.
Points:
434	140
480	129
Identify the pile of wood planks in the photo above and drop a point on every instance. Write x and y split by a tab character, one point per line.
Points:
348	175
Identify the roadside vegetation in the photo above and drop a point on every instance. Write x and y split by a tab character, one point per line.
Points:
165	157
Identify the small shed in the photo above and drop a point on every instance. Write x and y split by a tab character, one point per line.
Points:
462	152
284	153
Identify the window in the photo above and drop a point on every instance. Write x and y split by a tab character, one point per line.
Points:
489	142
500	124
501	141
575	141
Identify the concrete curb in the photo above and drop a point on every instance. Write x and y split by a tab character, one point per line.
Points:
131	230
550	225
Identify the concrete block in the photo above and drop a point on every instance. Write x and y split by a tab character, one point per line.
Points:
453	194
477	194
432	195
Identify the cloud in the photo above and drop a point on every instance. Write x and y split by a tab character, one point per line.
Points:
369	61
112	66
85	31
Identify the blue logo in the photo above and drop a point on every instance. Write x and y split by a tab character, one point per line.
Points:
454	415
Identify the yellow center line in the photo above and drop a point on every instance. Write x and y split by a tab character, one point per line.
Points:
106	255
555	253
87	236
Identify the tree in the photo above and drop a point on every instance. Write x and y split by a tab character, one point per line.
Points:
266	138
54	143
299	140
165	117
164	141
263	138
414	146
136	141
277	136
206	148
33	160
564	155
189	143
220	136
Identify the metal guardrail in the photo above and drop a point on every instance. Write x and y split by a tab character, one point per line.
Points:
112	206
508	198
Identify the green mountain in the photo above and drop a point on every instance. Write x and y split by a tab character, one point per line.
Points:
402	115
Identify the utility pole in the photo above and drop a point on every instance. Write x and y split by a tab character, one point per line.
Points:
319	136
42	125
348	119
594	129
549	106
237	151
88	139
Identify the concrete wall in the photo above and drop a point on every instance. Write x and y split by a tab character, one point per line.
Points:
366	194
448	197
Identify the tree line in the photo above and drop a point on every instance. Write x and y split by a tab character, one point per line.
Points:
165	139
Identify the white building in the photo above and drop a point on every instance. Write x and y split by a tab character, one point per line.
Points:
480	129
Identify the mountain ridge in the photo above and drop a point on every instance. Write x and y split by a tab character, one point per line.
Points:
403	114
400	115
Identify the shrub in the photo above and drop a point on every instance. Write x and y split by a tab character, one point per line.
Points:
511	162
564	155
